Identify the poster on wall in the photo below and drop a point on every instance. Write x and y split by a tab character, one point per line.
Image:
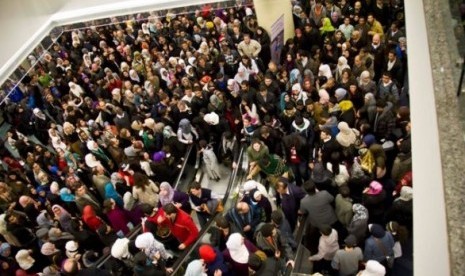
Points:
277	38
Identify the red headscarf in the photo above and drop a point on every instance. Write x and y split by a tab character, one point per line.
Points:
90	218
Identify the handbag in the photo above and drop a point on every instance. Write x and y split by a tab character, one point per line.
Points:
389	259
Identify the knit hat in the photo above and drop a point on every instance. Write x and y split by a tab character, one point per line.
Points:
373	268
369	140
351	241
48	249
207	253
24	260
120	249
376	230
346	136
340	94
375	188
406	193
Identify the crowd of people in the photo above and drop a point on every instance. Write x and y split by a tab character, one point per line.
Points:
101	124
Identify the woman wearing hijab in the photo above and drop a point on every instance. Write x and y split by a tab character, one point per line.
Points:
186	133
373	199
30	206
63	217
8	264
147	243
327	29
75	89
237	253
44	220
91	219
119	218
170	195
342	64
136	78
67	199
359	222
197	268
111	193
40	122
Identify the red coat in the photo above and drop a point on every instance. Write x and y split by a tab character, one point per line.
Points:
183	228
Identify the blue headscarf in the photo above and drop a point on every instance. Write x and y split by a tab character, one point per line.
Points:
4	247
110	192
66	195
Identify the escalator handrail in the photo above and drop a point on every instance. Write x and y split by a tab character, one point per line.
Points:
136	230
177	265
298	237
186	157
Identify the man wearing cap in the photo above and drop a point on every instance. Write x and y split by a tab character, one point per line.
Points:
346	260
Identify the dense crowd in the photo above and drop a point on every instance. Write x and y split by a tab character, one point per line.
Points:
101	124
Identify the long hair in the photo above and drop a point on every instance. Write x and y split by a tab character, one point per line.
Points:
141	180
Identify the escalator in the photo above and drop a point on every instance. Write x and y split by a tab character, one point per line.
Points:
184	177
230	197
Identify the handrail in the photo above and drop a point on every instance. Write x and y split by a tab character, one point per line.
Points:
188	252
462	73
298	237
186	157
136	230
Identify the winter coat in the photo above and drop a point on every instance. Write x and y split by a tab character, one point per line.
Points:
182	228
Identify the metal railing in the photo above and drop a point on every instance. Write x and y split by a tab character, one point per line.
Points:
136	230
187	253
298	237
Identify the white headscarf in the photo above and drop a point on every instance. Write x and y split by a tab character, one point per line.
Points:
150	245
325	70
195	268
91	161
237	249
76	89
120	249
342	64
